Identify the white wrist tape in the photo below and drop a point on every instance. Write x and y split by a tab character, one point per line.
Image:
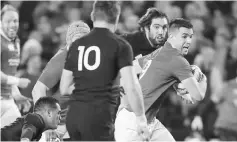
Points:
11	80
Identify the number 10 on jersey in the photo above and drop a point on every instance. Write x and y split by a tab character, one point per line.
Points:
83	57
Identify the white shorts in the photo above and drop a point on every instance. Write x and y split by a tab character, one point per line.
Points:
125	128
9	111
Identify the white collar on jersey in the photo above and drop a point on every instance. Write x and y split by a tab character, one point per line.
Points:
171	44
4	35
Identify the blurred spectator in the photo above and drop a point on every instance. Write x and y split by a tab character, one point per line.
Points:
32	72
41	9
49	39
226	124
191	11
199	41
174	12
234	10
130	24
231	61
163	6
85	12
127	11
235	31
74	14
31	47
219	21
61	31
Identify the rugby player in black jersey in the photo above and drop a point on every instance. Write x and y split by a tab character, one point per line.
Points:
30	127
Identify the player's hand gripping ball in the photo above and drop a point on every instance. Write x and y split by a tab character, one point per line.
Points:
183	92
197	73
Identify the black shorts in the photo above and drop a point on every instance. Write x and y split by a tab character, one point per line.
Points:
91	120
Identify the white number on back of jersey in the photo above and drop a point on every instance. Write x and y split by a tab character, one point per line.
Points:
83	57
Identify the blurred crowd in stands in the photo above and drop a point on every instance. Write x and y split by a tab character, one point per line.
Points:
42	31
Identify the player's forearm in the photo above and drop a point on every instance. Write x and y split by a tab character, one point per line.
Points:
39	91
10	80
133	90
64	88
135	98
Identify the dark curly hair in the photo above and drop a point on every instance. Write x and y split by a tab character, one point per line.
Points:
151	13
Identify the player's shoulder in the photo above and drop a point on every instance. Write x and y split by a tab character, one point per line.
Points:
34	119
121	41
14	125
180	62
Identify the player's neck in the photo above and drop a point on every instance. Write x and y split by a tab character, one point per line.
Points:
103	24
172	45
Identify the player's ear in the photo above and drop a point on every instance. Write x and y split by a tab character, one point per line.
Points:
147	28
49	113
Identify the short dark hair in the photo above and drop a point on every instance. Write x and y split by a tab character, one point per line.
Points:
180	22
106	10
45	102
151	13
6	8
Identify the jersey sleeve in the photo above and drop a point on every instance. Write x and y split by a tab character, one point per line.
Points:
53	70
181	68
125	54
31	124
69	59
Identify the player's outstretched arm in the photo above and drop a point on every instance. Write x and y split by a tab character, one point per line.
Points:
39	91
66	82
50	76
133	90
135	98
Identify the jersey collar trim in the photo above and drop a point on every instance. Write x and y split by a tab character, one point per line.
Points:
168	44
